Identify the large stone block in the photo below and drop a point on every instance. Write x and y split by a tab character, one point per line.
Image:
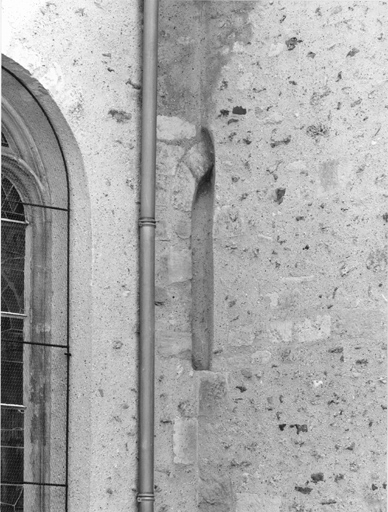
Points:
183	189
168	157
213	392
185	440
215	492
173	344
179	265
198	160
247	502
173	128
281	331
313	330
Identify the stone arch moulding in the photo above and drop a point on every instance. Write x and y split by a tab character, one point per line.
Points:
39	129
42	141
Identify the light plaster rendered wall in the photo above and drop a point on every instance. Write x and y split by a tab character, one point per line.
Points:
291	416
86	55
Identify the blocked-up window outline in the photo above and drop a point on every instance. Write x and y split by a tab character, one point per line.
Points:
37	335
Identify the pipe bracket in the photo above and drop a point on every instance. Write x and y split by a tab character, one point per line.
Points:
145	496
147	221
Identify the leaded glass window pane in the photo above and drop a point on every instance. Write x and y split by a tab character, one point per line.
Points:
13	247
12	267
11	203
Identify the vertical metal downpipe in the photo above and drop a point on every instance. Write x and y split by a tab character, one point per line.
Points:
145	495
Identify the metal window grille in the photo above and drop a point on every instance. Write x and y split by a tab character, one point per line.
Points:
34	352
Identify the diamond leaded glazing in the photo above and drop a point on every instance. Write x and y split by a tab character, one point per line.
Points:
12	249
11	203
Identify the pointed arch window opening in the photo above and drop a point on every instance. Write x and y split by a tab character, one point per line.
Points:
43	484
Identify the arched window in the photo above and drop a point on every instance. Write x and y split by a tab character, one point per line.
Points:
34	309
13	258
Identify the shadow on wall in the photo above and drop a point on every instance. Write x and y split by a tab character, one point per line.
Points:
202	259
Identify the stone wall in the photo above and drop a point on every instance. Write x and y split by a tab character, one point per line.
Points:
271	247
84	56
291	415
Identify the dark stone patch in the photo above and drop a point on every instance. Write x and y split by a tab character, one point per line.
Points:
280	193
374	487
240	464
133	84
339	76
299	428
351	447
316	131
120	115
303	490
272	171
336	350
385	217
317	477
362	362
241	388
239	111
328	502
233	120
285	141
300	217
282	426
352	52
339	477
292	42
355	103
224	112
311	55
318	96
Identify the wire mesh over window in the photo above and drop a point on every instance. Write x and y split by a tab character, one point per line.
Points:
34	351
11	204
13	229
